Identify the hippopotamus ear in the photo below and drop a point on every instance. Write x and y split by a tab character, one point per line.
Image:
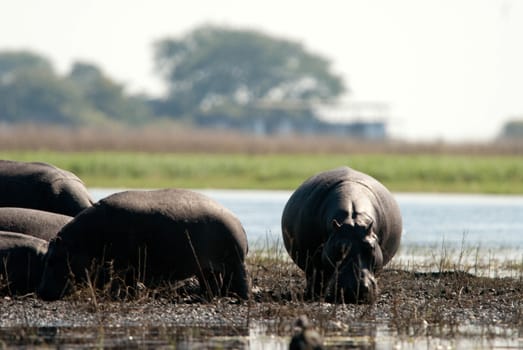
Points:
336	225
55	244
56	240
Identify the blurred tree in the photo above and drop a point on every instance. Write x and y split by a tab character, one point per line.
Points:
106	96
30	91
13	61
513	129
215	67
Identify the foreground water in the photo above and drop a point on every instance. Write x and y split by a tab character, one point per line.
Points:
365	337
479	227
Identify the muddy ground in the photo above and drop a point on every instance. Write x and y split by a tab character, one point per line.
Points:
410	303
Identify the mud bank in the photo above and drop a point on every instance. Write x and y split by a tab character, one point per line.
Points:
410	304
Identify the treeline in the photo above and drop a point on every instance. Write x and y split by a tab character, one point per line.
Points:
32	92
215	76
513	129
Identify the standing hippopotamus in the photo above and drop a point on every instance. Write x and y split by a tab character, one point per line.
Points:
151	236
340	227
21	262
36	223
42	186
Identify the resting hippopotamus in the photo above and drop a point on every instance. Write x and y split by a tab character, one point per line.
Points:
340	227
36	223
41	186
21	262
150	237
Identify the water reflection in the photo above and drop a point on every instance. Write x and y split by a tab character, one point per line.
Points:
364	336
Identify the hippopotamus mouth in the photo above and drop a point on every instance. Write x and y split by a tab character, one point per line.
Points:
55	281
352	284
354	256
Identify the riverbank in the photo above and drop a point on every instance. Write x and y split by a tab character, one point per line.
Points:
412	306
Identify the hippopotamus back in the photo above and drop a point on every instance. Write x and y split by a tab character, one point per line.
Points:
163	235
36	223
21	262
42	186
330	200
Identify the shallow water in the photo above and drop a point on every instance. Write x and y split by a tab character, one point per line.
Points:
489	221
485	230
434	225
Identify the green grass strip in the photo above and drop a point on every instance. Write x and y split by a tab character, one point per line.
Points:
409	173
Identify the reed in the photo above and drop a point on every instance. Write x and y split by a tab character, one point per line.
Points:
170	137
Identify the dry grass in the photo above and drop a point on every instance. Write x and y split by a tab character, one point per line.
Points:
173	138
448	303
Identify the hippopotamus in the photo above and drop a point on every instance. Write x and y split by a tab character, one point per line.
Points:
150	237
36	223
42	186
341	227
21	262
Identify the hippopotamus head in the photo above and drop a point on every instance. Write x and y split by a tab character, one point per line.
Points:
58	277
353	251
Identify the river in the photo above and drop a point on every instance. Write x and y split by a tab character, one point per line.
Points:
429	220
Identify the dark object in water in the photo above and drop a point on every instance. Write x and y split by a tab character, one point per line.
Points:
306	338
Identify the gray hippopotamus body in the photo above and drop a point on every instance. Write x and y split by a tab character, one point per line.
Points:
21	262
151	236
340	227
36	223
41	186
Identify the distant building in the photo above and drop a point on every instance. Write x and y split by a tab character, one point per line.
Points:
356	120
364	120
368	130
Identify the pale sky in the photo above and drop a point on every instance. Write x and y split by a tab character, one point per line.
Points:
448	69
